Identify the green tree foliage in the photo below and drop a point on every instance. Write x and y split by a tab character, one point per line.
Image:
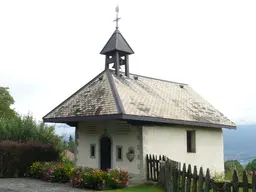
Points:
14	127
71	144
25	128
233	165
6	100
251	166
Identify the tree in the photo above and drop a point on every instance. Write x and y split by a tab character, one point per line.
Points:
6	100
251	166
233	165
71	144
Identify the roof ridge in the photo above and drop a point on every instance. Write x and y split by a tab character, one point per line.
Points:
152	78
115	93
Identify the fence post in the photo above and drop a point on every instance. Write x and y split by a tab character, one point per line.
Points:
195	179
235	182
245	182
201	180
175	177
161	179
147	166
207	181
253	182
183	178
178	175
188	184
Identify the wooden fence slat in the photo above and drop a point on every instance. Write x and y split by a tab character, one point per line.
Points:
227	187
207	181
178	175
201	180
147	166
188	184
254	182
194	189
183	178
166	176
151	167
157	168
245	182
175	177
235	182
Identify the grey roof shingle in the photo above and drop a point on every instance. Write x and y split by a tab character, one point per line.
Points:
141	98
95	98
169	100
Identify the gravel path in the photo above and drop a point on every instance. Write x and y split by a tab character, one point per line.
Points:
33	185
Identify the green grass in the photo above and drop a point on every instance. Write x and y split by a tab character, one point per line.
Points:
140	188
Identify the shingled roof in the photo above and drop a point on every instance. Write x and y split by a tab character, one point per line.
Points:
139	98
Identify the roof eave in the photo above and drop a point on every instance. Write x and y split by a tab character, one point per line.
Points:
82	118
135	118
175	121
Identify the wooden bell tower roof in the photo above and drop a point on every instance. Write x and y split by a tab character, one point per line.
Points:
117	43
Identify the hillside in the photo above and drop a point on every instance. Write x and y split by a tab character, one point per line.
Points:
239	144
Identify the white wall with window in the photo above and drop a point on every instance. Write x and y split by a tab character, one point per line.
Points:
195	146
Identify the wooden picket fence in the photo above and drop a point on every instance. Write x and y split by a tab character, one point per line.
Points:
172	178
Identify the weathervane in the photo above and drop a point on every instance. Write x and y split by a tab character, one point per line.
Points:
117	18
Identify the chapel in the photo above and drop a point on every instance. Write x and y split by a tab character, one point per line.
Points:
120	117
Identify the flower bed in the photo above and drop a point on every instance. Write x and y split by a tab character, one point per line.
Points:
98	179
80	177
51	171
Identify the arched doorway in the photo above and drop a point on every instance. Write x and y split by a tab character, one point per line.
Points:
105	153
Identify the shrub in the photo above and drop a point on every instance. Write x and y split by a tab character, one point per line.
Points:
51	171
36	170
83	177
26	129
98	179
57	172
117	178
66	160
233	165
17	156
251	166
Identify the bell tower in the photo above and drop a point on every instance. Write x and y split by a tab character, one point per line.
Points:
117	50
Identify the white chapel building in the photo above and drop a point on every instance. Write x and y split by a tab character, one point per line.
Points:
121	117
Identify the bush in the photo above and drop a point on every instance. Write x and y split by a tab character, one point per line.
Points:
36	170
251	166
231	165
117	178
17	156
98	179
26	129
64	159
81	177
51	171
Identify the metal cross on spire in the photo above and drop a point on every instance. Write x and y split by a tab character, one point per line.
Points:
117	18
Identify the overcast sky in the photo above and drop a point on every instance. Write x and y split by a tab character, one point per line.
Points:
50	48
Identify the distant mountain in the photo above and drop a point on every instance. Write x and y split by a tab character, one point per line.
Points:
240	143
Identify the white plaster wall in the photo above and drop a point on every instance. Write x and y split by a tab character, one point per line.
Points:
172	142
121	133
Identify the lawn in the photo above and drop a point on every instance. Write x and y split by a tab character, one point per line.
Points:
140	188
